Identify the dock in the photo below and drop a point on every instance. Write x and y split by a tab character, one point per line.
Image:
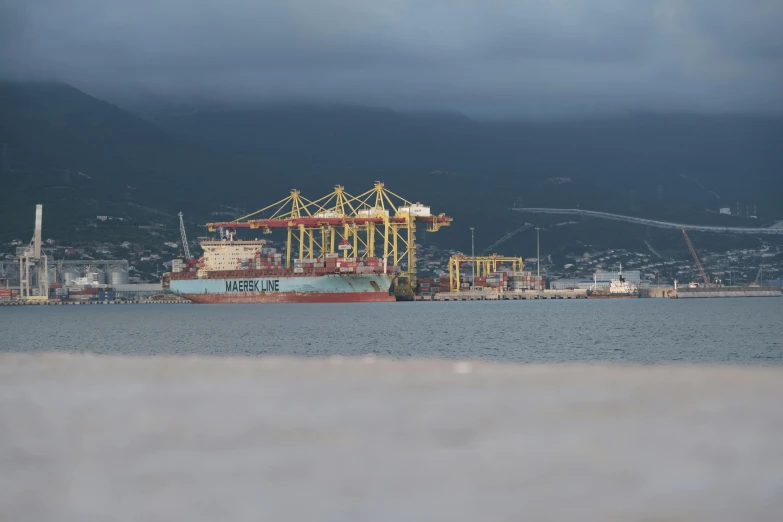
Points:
519	295
712	293
54	302
728	291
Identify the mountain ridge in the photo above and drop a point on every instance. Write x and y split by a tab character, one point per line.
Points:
103	157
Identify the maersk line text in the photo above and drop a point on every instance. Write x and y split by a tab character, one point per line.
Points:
253	285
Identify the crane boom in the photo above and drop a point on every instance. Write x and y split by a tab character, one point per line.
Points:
185	248
695	257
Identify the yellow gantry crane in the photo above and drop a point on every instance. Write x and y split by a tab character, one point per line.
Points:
484	265
376	223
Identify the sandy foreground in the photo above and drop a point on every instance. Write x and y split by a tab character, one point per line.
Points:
86	438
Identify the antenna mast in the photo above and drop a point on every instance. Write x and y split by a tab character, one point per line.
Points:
185	248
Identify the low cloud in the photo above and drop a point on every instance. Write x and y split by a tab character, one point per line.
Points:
492	57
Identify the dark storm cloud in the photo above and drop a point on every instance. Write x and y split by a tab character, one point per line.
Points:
483	57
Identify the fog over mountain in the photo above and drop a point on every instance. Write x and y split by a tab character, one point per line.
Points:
492	58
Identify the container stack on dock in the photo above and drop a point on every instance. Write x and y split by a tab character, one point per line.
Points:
498	281
83	293
432	286
511	281
525	281
426	286
6	294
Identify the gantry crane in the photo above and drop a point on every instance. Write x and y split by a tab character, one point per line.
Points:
484	265
696	258
353	224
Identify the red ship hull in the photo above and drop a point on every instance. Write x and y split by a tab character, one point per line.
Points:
292	297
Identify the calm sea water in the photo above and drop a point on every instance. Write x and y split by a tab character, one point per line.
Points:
740	331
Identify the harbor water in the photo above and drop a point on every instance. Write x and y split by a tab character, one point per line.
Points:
644	331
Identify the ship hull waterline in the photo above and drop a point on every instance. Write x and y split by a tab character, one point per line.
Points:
291	297
300	289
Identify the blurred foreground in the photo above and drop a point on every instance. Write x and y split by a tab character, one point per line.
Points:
203	439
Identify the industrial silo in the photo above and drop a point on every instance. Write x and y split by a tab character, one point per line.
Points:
118	276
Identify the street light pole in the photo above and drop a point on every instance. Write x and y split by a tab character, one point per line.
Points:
473	255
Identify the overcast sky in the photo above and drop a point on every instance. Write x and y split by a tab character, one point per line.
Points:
480	57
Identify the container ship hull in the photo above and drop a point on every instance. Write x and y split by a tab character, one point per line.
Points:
337	288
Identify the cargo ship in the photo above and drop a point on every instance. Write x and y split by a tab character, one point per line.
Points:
619	287
236	271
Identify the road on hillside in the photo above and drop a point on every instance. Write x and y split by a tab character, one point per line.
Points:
652	222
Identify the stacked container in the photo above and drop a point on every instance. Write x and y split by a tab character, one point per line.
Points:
424	285
268	258
497	281
519	281
83	293
373	261
331	263
525	281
